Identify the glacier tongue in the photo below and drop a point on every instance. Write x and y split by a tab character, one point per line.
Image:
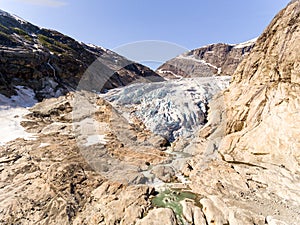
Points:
173	108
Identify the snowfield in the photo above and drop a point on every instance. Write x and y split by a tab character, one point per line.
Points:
12	111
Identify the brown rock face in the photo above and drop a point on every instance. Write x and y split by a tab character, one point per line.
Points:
255	132
215	59
264	94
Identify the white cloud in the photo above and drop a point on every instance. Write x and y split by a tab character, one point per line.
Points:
49	3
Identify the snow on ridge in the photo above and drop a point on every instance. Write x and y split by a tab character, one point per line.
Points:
193	58
3	13
246	43
96	46
168	71
174	108
21	20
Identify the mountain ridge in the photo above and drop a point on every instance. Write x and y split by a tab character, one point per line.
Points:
54	62
214	59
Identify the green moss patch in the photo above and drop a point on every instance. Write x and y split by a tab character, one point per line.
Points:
52	44
171	198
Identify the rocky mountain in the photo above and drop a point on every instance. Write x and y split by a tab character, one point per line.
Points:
252	137
90	158
214	59
52	64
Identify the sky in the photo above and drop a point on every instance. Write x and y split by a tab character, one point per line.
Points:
113	23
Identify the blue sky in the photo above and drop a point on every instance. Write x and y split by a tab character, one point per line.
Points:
111	23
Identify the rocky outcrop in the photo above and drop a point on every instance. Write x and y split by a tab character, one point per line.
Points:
250	158
52	64
166	216
60	177
214	59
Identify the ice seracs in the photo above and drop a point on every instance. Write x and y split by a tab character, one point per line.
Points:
173	108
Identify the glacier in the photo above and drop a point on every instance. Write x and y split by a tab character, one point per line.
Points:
173	108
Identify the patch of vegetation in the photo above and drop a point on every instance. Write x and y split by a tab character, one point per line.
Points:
171	198
45	41
53	45
4	35
6	39
20	31
28	38
23	33
3	27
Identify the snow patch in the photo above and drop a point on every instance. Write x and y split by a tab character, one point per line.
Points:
193	58
246	44
168	71
42	145
12	111
95	139
89	132
94	46
21	20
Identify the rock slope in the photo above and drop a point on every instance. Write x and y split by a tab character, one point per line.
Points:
252	136
214	59
52	64
62	177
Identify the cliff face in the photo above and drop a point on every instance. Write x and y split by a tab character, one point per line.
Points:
51	63
263	100
254	127
214	59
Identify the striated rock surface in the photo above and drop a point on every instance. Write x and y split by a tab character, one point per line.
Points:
214	59
251	145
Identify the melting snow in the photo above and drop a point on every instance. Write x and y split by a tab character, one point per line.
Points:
12	111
